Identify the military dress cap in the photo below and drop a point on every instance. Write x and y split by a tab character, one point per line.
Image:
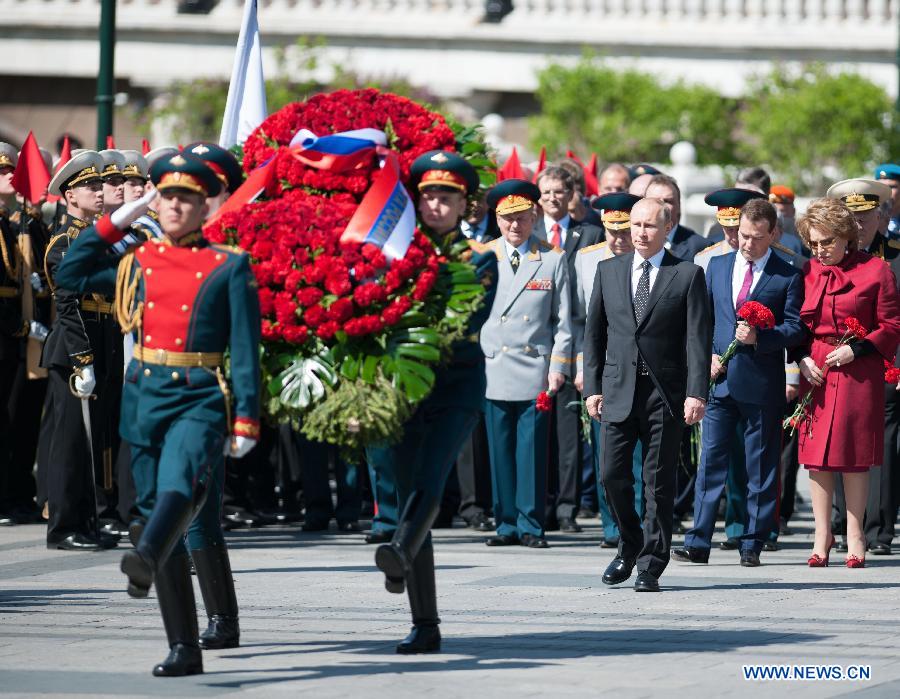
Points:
780	194
887	171
185	171
728	203
113	162
444	169
616	208
9	156
220	161
642	169
135	164
158	153
859	194
83	167
512	196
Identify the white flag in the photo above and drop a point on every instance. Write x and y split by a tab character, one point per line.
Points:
245	108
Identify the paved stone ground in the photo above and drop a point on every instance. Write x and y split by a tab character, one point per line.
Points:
516	622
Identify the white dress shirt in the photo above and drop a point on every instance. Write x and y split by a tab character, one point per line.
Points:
564	224
636	270
740	270
523	250
474	232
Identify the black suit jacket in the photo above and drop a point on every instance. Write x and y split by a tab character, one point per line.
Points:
686	243
674	338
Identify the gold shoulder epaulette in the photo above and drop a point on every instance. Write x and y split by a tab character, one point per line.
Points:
704	251
480	248
229	248
591	248
782	248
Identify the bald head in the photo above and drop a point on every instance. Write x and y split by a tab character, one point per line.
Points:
639	185
613	178
650	223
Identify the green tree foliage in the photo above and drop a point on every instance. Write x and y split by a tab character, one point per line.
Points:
814	127
628	115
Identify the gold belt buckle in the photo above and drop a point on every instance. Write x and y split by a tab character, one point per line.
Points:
161	356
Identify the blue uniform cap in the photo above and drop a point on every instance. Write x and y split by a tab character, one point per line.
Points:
887	171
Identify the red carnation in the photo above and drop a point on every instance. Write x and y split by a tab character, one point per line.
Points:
891	373
757	315
309	296
315	316
854	327
544	402
367	294
341	310
327	330
337	283
297	334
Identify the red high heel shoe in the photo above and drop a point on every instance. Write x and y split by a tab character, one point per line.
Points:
816	561
855	561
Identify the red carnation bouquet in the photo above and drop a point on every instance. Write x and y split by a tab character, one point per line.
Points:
544	402
891	373
351	339
754	314
853	330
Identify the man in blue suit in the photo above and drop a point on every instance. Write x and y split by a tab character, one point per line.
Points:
750	387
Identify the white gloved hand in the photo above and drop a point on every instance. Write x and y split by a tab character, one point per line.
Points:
35	280
238	447
128	213
37	331
85	382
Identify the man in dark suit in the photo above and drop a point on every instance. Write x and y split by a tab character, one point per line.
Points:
749	388
681	241
647	352
558	228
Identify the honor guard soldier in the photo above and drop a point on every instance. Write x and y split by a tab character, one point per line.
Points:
27	300
889	174
186	302
418	466
616	218
79	353
135	171
113	180
527	344
728	203
224	164
864	198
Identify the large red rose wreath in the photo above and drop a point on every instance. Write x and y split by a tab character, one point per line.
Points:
350	339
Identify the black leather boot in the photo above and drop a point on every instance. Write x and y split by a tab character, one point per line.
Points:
167	523
425	636
217	587
395	559
179	614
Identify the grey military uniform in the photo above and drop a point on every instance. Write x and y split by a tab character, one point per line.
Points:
528	332
585	271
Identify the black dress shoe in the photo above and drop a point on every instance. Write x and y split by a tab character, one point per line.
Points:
730	544
750	559
76	542
379	537
349	527
480	523
618	571
423	638
771	546
182	660
646	582
611	543
880	549
114	528
105	540
841	546
586	513
691	554
569	526
221	632
534	542
502	540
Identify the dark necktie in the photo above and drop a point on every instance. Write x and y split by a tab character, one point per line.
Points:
642	292
514	260
745	287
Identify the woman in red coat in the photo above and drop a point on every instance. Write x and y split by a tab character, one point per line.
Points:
845	432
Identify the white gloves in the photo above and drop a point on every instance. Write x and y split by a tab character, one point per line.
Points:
85	382
35	280
37	331
128	213
238	447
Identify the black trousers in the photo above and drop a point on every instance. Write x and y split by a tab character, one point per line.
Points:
69	481
473	472
884	482
26	402
659	433
564	465
8	368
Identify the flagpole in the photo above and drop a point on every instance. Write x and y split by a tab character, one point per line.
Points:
106	74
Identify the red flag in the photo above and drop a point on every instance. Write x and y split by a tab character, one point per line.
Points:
110	143
256	183
542	163
591	184
65	156
145	146
31	176
570	154
512	168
